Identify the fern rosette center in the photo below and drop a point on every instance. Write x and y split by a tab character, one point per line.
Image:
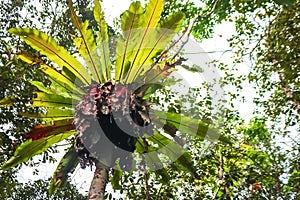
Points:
108	122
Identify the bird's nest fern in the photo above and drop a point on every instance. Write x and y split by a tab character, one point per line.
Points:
104	103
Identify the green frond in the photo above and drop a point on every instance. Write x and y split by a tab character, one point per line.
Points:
7	101
86	46
30	148
131	22
145	35
188	125
160	38
150	21
66	165
51	114
102	42
47	46
42	99
64	85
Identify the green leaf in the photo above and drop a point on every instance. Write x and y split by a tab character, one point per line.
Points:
184	124
50	90
51	100
186	161
102	41
51	113
169	148
166	146
116	179
290	3
66	165
144	38
64	83
153	12
48	47
72	77
7	101
138	30
187	125
147	89
165	178
131	20
30	148
153	161
86	46
150	21
160	38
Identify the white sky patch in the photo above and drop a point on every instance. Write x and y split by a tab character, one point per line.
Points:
46	170
218	49
113	9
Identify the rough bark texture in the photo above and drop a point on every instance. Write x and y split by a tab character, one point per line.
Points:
97	188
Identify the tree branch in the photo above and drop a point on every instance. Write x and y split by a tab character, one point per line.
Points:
100	179
145	170
210	12
221	173
188	30
287	92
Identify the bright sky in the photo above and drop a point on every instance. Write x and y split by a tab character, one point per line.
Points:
112	9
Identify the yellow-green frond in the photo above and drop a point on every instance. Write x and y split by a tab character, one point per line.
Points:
86	46
102	42
47	46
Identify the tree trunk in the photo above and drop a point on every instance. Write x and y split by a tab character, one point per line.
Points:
97	188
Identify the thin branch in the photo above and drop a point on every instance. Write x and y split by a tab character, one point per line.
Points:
191	25
210	12
288	93
145	170
158	193
216	193
221	172
146	183
205	52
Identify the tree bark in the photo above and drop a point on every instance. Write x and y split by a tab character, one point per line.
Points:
97	188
